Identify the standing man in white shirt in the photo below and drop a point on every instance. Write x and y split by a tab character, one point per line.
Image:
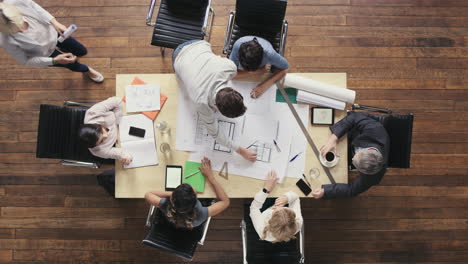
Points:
207	77
29	34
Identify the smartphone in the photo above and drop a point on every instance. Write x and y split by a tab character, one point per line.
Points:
173	177
137	132
303	186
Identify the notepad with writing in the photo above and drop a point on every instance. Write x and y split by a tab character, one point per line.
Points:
197	180
143	150
150	114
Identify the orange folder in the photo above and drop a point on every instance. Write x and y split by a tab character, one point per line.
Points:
150	114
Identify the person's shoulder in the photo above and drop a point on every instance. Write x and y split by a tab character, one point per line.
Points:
18	3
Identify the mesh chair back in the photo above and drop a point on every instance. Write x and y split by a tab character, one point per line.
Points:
179	21
165	236
261	251
400	131
57	136
262	18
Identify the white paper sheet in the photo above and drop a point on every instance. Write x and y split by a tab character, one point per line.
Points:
190	133
319	88
266	108
298	143
141	98
143	150
259	128
316	99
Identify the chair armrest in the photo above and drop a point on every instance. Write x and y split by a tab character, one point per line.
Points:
72	103
301	244
149	16
205	230
149	218
284	35
80	164
205	21
244	241
230	25
372	109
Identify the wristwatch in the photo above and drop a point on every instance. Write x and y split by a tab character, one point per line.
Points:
265	190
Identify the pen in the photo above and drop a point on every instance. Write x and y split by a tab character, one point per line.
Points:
277	147
191	174
293	158
251	144
306	179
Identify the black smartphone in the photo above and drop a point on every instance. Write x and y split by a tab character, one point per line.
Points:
303	186
137	132
173	177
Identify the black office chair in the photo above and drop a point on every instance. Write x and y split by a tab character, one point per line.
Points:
179	21
400	130
259	251
57	135
262	18
162	234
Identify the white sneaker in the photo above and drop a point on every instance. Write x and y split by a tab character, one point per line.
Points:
99	78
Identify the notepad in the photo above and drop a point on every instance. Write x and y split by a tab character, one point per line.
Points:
143	150
143	97
292	94
150	114
197	181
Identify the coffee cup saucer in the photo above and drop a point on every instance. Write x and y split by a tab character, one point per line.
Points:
329	164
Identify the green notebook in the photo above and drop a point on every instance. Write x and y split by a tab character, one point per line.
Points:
198	180
291	92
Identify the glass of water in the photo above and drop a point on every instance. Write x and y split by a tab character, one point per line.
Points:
314	173
162	126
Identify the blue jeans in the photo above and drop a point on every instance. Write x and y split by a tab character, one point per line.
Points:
179	48
73	46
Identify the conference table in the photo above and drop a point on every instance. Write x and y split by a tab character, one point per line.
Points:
134	183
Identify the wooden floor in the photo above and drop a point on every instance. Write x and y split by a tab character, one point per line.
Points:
410	56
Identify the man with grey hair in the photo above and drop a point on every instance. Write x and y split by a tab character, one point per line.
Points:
370	146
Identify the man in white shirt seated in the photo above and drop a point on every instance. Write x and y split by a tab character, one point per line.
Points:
206	77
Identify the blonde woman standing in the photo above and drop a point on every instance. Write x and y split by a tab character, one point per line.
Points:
29	34
276	223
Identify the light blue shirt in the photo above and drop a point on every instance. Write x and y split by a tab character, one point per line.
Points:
270	56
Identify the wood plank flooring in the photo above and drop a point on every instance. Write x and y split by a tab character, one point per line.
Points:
411	56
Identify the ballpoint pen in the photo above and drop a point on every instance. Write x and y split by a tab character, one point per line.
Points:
293	158
277	147
251	144
191	174
306	179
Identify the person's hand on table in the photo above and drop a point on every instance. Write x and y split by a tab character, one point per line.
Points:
317	193
247	154
127	160
270	181
281	201
206	169
258	91
330	145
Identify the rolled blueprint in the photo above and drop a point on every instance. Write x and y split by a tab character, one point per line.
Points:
316	99
319	88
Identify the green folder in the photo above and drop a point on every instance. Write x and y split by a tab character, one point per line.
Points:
198	180
291	92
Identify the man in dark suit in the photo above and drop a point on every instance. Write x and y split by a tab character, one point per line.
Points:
370	146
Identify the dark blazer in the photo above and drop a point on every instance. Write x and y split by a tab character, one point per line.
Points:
363	132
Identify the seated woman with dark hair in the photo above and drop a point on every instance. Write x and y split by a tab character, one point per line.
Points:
251	55
99	131
182	207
